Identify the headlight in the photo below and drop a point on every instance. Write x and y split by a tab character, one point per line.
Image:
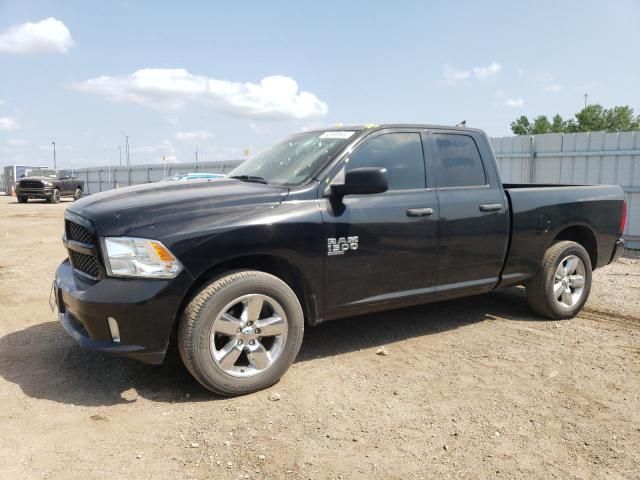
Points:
139	257
47	184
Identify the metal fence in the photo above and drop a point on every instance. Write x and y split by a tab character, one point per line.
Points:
577	158
99	179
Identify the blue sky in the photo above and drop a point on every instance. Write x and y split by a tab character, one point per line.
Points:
227	75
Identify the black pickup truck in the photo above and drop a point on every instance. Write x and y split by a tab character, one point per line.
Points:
323	225
50	185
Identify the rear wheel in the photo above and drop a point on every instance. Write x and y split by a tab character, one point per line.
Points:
241	332
77	194
562	285
22	199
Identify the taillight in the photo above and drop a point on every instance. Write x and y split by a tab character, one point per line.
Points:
623	220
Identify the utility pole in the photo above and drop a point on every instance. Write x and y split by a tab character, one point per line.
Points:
585	100
126	147
55	165
120	153
196	158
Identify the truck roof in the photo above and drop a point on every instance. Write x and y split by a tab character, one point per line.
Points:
375	126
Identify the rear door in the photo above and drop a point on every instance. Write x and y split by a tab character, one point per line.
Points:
474	222
382	247
66	185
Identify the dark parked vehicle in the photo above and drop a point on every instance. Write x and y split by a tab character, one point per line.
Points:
48	184
324	225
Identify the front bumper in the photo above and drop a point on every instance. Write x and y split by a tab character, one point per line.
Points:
145	311
35	192
618	250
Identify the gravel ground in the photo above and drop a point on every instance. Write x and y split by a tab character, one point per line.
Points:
473	388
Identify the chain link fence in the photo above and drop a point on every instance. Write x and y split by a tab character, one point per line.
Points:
100	179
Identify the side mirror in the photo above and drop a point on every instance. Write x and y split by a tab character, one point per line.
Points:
362	181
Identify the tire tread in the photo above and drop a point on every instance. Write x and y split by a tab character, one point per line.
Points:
537	293
188	340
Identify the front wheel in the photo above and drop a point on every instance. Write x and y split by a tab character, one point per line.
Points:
55	197
22	199
562	285
241	332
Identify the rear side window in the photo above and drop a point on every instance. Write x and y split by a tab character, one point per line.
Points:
457	162
399	153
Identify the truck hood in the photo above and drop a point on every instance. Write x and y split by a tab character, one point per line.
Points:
158	206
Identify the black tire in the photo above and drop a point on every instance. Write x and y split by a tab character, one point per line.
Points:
77	194
197	322
22	199
540	289
55	197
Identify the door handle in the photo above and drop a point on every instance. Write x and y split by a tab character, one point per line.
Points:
419	212
490	207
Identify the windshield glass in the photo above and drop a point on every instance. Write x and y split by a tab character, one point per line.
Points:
294	160
43	173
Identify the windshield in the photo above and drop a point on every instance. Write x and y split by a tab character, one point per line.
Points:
43	173
294	160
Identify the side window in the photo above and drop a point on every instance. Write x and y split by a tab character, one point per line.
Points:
399	153
457	162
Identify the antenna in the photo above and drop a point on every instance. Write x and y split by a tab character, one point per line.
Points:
463	123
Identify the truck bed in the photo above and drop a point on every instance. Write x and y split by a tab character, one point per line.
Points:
542	213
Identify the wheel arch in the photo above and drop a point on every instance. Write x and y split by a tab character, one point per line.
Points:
583	235
275	265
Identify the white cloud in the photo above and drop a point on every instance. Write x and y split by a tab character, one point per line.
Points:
452	76
45	36
197	135
553	87
514	102
170	89
9	123
482	73
16	142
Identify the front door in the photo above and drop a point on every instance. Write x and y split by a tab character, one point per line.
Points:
383	247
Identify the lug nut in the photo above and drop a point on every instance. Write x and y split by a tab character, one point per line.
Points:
239	342
239	330
249	323
257	331
251	342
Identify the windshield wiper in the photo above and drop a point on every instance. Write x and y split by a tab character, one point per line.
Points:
250	178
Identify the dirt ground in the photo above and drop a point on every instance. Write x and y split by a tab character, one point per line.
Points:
474	388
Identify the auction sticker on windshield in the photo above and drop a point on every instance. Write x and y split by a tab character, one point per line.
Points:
339	134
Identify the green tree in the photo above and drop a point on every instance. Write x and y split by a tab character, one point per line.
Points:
620	119
557	124
521	126
541	124
592	118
